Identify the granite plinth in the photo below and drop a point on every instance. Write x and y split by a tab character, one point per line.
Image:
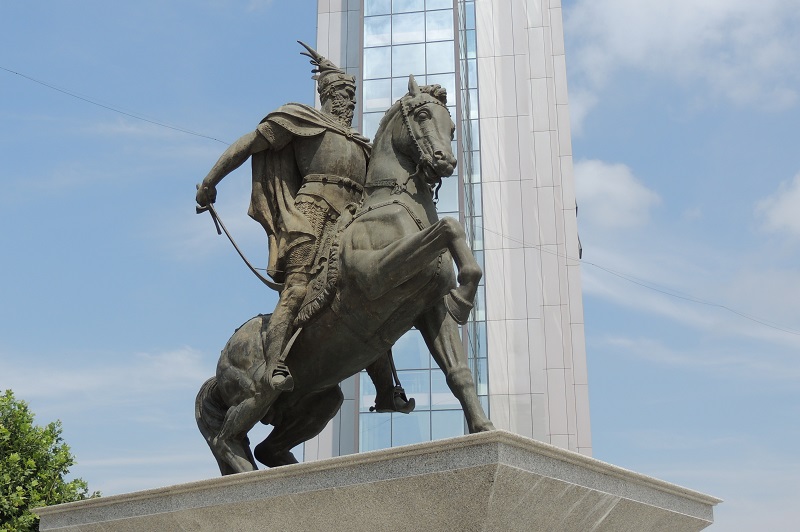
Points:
489	481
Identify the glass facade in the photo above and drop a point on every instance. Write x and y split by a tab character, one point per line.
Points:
423	37
503	65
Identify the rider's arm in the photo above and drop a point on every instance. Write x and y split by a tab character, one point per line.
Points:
236	154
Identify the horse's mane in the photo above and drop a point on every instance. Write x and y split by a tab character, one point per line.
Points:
437	91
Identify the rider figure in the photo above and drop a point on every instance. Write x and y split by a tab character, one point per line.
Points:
308	165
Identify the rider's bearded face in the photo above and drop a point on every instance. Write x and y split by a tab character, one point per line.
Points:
343	104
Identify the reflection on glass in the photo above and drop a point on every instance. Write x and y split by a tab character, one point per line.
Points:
440	56
417	384
475	137
377	31
408	59
403	6
377	7
408	28
479	312
411	428
470	38
366	397
439	26
447	424
377	62
438	4
374	431
472	72
371	122
475	157
448	195
469	15
477	202
485	404
377	95
476	239
441	396
410	352
473	102
482	376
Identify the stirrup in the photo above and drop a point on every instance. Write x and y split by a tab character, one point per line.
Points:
458	307
281	378
400	403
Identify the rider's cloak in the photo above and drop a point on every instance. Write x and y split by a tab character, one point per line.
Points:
276	179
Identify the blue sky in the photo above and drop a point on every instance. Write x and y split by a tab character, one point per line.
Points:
116	297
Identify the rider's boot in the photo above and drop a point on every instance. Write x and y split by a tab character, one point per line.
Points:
279	330
389	398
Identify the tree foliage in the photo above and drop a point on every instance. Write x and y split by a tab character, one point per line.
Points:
33	463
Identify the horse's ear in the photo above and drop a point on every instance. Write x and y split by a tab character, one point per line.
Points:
413	88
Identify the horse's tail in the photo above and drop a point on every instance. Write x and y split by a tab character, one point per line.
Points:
209	412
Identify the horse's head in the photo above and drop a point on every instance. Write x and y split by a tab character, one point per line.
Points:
418	131
429	130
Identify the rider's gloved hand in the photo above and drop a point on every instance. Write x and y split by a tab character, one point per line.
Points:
206	194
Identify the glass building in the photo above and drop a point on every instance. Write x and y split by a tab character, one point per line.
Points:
503	65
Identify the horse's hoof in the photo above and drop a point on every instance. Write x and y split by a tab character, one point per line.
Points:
458	307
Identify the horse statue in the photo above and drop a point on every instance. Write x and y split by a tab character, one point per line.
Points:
390	268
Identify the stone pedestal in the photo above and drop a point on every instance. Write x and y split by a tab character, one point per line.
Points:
489	481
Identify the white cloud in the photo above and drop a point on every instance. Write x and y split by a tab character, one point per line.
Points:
781	211
738	50
138	375
610	196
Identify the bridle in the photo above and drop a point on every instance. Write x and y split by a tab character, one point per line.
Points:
425	166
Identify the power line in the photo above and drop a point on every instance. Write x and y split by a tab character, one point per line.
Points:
653	286
114	109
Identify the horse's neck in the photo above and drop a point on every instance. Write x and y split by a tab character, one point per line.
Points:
386	167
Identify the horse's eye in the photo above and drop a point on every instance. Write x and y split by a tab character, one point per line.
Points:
423	114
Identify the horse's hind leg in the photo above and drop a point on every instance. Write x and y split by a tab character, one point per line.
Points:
299	423
231	444
440	331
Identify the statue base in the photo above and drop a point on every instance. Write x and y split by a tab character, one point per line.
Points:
489	481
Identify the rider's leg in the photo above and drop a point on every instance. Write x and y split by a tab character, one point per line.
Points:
389	398
280	330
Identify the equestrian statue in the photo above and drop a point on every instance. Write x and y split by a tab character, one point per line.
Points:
359	256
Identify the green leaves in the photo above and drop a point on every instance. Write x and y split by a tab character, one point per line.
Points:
33	463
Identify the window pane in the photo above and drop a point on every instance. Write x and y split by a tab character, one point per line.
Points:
479	312
447	424
475	135
441	396
482	376
476	239
476	339
417	384
408	59
371	122
448	195
377	95
438	4
411	428
366	397
472	72
410	352
403	6
440	57
377	7
469	12
374	431
473	102
439	25
377	62
470	38
408	28
377	31
476	205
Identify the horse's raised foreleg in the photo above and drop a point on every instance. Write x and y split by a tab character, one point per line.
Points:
404	258
440	331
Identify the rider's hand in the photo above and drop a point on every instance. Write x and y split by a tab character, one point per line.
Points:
206	194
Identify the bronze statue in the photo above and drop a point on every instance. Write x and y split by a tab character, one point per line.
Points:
358	271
